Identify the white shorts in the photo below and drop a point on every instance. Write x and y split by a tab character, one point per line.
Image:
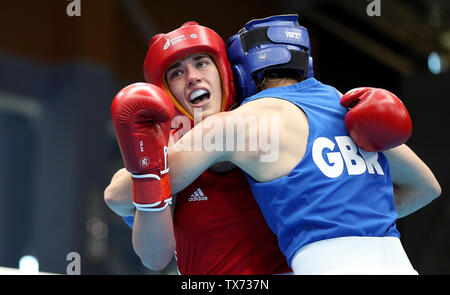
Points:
353	256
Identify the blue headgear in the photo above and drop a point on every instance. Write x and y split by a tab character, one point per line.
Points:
276	42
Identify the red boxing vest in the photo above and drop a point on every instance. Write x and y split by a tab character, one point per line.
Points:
219	229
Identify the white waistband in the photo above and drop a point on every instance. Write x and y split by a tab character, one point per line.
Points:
353	256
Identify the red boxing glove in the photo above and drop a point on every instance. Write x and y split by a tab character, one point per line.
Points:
141	115
377	120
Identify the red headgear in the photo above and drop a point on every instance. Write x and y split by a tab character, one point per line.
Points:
190	38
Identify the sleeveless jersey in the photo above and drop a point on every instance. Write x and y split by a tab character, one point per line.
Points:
219	229
337	189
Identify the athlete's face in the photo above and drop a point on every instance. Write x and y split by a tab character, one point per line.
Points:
195	83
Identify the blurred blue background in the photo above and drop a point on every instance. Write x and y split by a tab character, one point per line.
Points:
59	74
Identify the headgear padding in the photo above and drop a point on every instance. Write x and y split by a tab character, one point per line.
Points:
276	42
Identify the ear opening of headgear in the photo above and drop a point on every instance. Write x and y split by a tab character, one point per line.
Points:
276	42
190	38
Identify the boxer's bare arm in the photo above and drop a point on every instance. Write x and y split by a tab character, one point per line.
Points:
153	238
279	143
188	159
414	184
118	194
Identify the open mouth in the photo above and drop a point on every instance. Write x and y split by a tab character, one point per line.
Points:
199	96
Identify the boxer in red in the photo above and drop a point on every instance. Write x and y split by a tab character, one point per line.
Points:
216	223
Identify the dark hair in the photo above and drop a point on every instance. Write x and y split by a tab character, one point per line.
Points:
277	74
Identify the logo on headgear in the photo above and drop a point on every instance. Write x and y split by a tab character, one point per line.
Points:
178	39
167	44
262	56
296	35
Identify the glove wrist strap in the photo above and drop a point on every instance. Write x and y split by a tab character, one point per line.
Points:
151	192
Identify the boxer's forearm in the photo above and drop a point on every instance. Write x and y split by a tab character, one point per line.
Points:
186	166
153	238
189	158
118	194
415	184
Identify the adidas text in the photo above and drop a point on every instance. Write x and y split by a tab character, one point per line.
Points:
193	199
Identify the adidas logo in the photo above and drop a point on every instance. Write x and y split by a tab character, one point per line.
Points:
197	196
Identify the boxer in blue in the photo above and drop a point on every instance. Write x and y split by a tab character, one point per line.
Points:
329	202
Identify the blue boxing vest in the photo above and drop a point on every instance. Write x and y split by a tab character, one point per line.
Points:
336	190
